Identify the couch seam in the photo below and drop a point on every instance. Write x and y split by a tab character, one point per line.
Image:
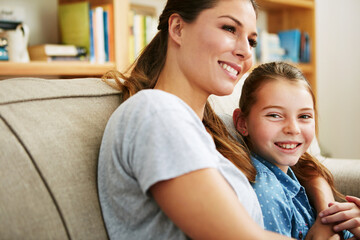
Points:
59	97
40	175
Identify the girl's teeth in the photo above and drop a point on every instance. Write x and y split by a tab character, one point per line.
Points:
287	146
229	69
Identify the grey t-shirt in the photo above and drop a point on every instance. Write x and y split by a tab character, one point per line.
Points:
155	136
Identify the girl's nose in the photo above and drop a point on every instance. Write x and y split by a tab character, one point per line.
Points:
292	127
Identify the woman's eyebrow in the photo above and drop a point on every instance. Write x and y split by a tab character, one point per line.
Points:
237	23
232	18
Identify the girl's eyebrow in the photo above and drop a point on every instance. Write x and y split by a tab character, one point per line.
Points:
254	34
280	107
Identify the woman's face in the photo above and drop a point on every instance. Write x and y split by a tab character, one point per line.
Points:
281	123
216	48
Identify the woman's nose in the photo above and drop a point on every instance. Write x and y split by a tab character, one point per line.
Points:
243	48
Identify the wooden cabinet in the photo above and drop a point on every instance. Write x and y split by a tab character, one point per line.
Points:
292	14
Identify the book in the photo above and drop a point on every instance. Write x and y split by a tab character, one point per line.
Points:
106	34
92	47
290	41
74	24
98	33
305	48
131	39
139	33
109	40
269	46
43	51
66	58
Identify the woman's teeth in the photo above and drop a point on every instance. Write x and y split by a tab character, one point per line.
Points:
229	69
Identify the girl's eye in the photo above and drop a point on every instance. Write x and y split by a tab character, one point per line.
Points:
306	116
273	115
229	28
253	43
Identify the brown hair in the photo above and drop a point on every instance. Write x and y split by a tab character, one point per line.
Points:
307	166
144	73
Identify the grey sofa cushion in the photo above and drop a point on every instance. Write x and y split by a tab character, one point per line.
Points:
51	132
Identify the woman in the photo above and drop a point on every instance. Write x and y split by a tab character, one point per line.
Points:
160	174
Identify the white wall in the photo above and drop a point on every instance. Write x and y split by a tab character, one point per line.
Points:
338	77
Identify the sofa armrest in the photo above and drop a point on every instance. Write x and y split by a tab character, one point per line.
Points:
346	174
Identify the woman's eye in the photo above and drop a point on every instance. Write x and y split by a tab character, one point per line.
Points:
253	43
229	28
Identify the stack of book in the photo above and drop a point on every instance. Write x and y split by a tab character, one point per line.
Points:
90	27
142	29
290	45
296	45
57	52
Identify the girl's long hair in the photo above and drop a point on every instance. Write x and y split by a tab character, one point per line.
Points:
144	73
308	166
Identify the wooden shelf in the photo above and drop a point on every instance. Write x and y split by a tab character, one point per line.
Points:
39	68
277	4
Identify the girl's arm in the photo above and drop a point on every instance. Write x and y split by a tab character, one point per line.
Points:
320	195
204	206
345	216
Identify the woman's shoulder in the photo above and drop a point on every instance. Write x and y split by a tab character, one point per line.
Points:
155	100
147	107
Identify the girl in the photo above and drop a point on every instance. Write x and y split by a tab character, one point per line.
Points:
277	120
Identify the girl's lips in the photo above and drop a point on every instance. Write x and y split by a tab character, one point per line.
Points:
288	145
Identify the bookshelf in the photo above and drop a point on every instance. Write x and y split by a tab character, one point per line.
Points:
79	69
281	15
290	14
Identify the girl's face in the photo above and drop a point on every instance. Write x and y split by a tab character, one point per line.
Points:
281	123
216	48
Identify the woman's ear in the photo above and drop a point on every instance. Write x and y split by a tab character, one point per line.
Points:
176	24
240	122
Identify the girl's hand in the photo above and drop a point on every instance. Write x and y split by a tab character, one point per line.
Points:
345	216
320	231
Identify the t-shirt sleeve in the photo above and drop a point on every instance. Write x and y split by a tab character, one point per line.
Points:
168	144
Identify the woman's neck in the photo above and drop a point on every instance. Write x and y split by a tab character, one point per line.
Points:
173	81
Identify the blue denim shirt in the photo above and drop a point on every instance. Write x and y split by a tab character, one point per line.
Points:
284	203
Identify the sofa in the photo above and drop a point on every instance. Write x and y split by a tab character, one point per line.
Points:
51	132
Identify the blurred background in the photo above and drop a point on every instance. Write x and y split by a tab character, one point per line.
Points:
337	52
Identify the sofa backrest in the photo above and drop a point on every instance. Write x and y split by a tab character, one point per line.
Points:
51	132
50	135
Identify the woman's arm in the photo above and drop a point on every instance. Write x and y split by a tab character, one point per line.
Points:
345	216
204	206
